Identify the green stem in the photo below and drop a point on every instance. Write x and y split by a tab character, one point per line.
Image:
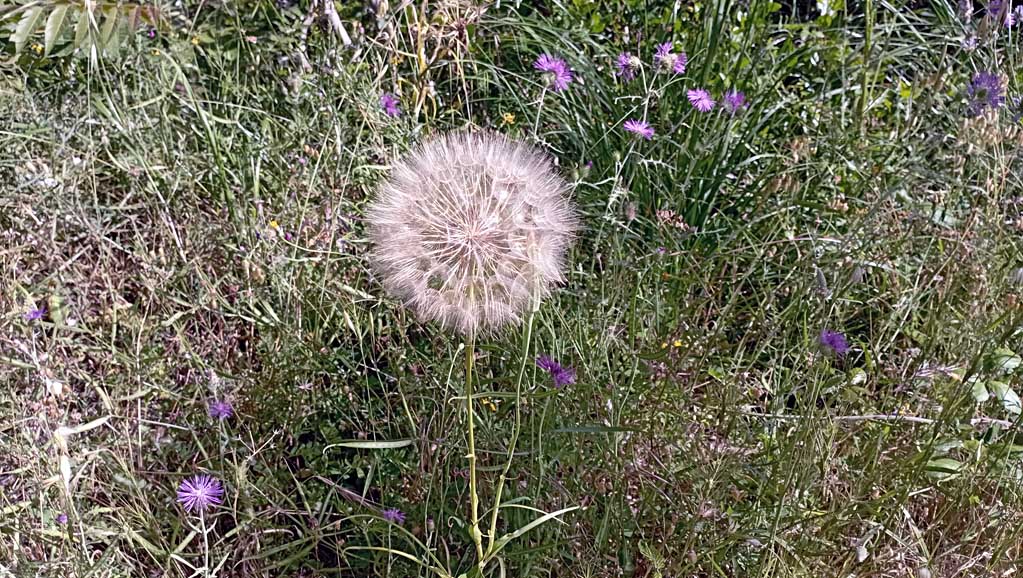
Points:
868	33
474	499
515	432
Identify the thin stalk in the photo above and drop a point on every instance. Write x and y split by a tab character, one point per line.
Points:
474	499
205	544
868	33
536	122
527	338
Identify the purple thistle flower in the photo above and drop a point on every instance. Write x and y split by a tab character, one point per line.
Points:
627	66
639	127
200	492
62	518
35	314
679	67
834	341
668	60
985	90
221	409
734	101
700	99
389	103
394	516
663	52
562	376
556	69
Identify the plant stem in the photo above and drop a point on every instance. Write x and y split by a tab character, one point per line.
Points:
527	338
205	544
474	499
536	122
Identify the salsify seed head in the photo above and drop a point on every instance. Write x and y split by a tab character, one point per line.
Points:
471	230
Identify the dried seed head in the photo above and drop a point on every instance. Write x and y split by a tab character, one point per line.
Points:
470	230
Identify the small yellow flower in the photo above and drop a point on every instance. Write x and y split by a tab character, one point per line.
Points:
489	404
154	52
195	41
37	48
274	224
664	345
508	118
677	343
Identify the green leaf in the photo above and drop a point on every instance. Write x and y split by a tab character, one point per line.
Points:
81	28
504	540
979	391
26	26
1005	360
1010	400
54	26
594	429
108	26
371	445
943	468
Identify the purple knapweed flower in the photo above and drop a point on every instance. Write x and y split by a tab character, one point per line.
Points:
394	516
627	66
700	99
559	76
200	492
35	314
985	90
62	518
389	103
1014	17
221	409
667	60
562	376
834	341
639	127
734	100
679	67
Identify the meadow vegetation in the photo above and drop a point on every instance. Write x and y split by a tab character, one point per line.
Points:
787	342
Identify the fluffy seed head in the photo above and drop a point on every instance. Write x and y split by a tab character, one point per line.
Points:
470	230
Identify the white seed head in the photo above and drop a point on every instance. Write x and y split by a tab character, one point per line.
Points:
471	230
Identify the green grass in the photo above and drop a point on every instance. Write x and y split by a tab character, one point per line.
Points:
190	216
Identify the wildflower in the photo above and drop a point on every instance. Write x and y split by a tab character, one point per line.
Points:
35	314
1014	17
700	99
62	518
834	341
200	492
680	64
556	70
985	90
471	230
562	376
37	48
677	343
661	250
507	119
668	60
221	409
663	53
639	127
251	39
274	224
389	104
627	66
734	100
195	41
151	33
394	516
